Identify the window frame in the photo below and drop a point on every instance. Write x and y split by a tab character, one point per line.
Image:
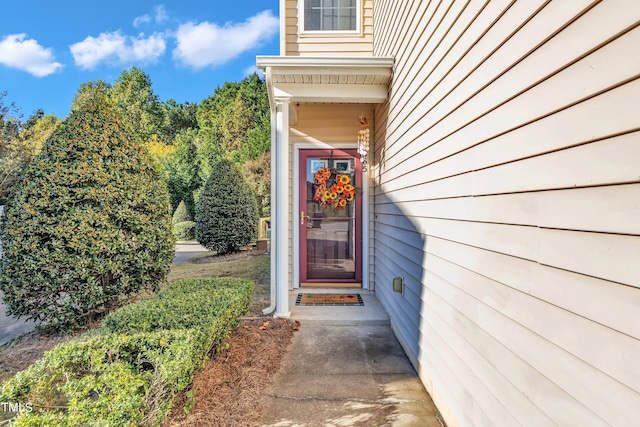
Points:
315	33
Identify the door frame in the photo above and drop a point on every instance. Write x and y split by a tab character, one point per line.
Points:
296	209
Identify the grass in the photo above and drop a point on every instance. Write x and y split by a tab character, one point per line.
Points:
251	265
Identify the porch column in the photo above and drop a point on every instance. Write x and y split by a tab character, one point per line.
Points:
280	196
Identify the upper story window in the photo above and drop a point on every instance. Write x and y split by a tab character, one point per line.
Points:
331	15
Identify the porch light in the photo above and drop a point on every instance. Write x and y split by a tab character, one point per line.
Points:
363	147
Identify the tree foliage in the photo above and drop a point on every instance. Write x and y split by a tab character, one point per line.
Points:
89	225
258	174
19	143
177	118
133	97
234	122
181	214
183	171
226	214
88	92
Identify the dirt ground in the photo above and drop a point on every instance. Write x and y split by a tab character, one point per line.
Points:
22	352
228	391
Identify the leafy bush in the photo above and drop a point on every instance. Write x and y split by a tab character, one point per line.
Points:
226	214
127	371
89	225
185	230
173	308
181	214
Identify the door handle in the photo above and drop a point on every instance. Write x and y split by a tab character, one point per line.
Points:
303	216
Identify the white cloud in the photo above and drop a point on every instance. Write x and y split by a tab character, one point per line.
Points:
117	48
160	17
26	54
144	19
207	44
161	14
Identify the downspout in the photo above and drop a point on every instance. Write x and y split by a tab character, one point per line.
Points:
272	258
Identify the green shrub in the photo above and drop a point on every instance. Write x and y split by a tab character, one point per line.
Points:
226	214
185	230
127	371
173	308
181	214
89	225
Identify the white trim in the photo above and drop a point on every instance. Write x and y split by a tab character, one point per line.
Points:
344	93
283	27
296	208
324	33
385	62
280	246
272	258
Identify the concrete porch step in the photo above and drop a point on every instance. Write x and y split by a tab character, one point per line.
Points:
371	314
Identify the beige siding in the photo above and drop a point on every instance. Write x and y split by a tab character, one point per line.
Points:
507	194
299	44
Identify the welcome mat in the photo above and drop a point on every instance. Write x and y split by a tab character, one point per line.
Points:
329	299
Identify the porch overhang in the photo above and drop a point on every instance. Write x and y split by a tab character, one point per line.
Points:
327	79
294	80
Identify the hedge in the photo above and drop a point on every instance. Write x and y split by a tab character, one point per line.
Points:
185	230
127	371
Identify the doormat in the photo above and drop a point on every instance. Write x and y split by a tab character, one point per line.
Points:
329	299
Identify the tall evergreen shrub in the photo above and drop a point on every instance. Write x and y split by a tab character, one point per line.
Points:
181	214
226	214
89	225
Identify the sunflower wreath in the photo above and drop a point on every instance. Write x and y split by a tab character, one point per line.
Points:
333	189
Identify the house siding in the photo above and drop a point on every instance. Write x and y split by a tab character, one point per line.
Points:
506	193
298	44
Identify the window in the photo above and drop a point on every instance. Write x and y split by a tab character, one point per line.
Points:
331	15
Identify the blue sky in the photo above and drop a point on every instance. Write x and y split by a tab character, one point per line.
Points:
187	47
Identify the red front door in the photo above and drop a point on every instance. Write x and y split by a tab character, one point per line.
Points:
330	218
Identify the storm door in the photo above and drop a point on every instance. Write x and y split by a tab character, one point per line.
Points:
330	218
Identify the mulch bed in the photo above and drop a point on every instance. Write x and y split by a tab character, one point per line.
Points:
228	391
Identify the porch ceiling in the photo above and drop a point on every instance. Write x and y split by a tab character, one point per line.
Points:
327	79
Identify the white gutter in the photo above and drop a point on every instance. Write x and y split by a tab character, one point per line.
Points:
324	61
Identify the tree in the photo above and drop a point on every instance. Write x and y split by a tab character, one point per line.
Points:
181	214
13	156
89	225
226	214
235	122
137	104
258	174
183	170
38	128
19	143
177	118
88	91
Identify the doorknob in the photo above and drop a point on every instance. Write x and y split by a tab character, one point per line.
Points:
303	216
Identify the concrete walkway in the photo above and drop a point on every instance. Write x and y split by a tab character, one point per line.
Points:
11	328
187	250
346	368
